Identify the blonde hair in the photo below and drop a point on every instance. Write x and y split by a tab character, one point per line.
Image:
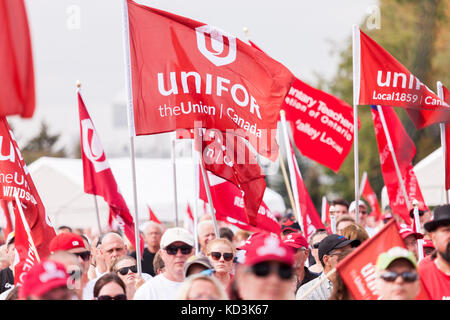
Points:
355	232
185	288
219	240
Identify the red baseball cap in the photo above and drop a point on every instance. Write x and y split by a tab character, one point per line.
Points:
250	239
406	231
66	241
267	248
43	277
428	244
295	240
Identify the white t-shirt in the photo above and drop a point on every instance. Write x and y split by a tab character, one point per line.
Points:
158	288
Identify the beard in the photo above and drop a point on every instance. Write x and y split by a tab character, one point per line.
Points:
446	254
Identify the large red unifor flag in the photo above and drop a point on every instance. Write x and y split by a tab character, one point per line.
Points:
17	180
371	197
227	156
385	81
404	150
310	218
229	206
184	71
17	91
98	176
322	125
358	271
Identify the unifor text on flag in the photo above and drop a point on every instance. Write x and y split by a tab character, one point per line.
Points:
184	71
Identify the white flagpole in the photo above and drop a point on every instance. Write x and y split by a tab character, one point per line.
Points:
418	229
394	157
129	91
26	226
356	79
333	219
324	209
174	167
94	196
196	190
440	93
291	170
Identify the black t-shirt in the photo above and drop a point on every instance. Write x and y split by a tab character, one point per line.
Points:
147	261
6	279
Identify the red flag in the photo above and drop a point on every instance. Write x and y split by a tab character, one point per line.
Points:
229	205
17	92
357	270
152	215
234	161
185	71
309	215
17	180
188	221
98	177
370	196
385	81
322	125
405	150
8	226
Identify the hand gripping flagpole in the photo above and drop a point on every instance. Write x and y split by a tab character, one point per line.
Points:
291	170
94	196
394	157
129	91
418	228
356	79
440	93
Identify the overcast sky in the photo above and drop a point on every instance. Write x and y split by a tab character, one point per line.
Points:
82	40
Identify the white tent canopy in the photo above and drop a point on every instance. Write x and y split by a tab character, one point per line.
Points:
430	174
59	182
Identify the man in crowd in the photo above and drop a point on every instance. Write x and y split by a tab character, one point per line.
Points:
152	237
363	214
329	248
177	245
77	275
340	207
434	270
266	272
46	280
343	221
410	238
397	278
301	249
206	233
289	226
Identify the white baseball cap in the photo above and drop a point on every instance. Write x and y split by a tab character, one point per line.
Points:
352	206
176	234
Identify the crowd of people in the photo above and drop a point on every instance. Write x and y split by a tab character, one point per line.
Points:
234	264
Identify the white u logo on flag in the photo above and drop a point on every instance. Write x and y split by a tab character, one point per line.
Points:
213	47
92	147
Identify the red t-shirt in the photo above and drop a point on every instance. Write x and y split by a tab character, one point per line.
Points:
435	281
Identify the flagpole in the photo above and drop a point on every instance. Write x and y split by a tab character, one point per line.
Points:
26	226
356	79
418	229
394	157
440	93
324	209
333	220
291	170
288	185
175	180
196	190
129	92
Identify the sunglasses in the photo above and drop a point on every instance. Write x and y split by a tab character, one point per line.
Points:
390	276
123	271
118	297
226	256
316	245
85	255
172	250
263	269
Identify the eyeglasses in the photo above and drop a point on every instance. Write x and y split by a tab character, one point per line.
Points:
263	269
118	297
172	250
390	276
85	255
226	256
123	271
363	211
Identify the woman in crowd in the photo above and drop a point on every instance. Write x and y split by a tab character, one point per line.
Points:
110	287
221	254
202	287
125	267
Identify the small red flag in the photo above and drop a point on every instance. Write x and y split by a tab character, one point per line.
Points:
185	71
17	90
370	196
152	215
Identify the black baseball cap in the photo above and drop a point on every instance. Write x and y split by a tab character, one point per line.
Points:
335	241
441	216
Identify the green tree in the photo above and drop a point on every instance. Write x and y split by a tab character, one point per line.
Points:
43	144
